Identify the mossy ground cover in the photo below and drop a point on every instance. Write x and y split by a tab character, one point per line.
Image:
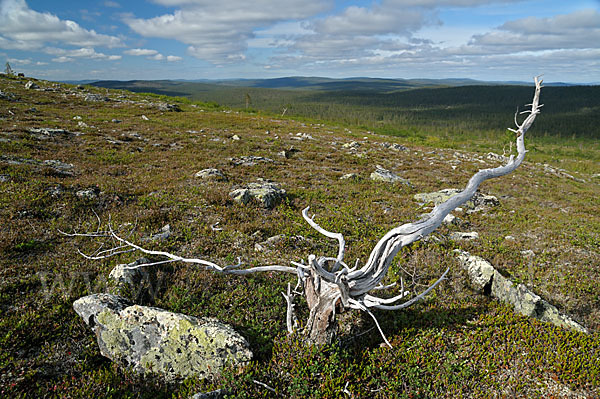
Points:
141	173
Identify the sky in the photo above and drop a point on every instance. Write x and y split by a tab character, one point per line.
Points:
496	40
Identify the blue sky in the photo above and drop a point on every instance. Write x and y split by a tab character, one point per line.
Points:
208	39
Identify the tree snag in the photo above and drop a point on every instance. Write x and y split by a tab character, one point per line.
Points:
328	283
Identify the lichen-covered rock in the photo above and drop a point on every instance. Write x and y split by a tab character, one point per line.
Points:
477	202
155	340
480	271
127	275
266	193
249	160
387	176
459	235
349	176
211	173
168	107
526	302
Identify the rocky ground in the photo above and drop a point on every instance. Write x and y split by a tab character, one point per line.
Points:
202	181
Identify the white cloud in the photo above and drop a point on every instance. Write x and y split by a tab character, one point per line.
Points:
85	53
376	21
62	59
151	54
219	31
578	30
111	4
141	52
26	29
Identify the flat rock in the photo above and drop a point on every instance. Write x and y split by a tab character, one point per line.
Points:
211	174
154	340
480	271
126	274
250	160
49	131
165	107
458	235
58	167
95	98
384	175
478	202
349	176
268	194
486	279
352	144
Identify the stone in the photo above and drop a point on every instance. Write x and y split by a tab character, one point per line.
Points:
168	107
351	145
58	167
269	243
61	168
394	146
5	178
288	153
489	281
31	85
450	219
137	283
153	340
387	176
48	131
218	394
478	202
123	275
88	193
250	160
144	117
268	194
528	254
458	235
6	96
165	233
211	174
349	176
480	271
95	98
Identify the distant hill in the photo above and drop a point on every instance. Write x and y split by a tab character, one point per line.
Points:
391	105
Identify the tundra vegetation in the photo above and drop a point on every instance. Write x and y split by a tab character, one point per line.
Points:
71	156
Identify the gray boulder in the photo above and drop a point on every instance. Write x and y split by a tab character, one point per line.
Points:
211	173
480	271
154	340
268	194
388	176
249	160
459	235
477	202
488	280
126	275
164	107
95	98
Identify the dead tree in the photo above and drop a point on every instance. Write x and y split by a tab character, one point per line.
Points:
8	70
328	283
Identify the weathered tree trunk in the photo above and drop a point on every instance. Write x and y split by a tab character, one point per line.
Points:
323	299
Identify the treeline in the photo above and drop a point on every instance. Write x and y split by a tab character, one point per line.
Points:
569	112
